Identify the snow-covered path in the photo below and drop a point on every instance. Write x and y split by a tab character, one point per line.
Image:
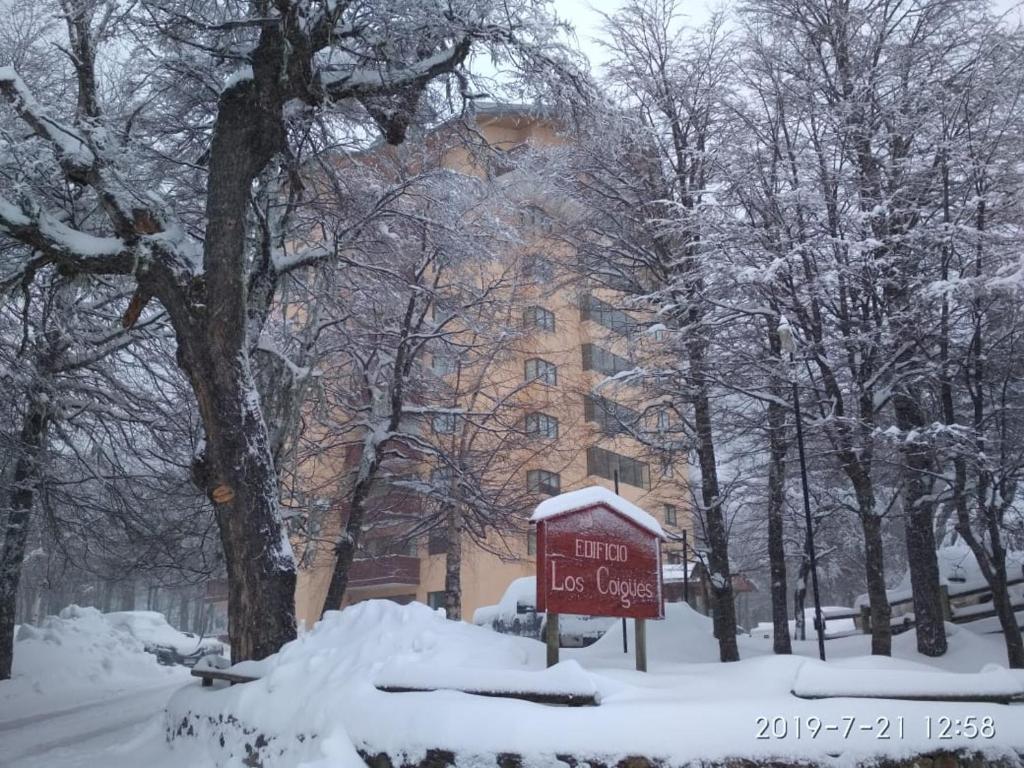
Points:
123	730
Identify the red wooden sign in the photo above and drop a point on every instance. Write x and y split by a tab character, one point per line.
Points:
598	562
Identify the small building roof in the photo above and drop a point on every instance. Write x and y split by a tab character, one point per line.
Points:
588	497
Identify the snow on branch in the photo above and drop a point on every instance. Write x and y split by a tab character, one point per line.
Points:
72	148
363	81
60	243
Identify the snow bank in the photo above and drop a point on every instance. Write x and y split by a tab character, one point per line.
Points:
683	636
816	679
567	678
317	705
74	657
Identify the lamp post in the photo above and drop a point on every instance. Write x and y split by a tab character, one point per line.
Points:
786	340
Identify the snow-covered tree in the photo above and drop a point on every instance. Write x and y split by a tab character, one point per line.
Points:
159	167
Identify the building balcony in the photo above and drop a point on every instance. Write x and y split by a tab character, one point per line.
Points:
385	571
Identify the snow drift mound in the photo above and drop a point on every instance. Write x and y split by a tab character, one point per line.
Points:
323	682
683	636
74	656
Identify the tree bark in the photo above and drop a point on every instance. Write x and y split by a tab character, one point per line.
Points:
23	487
453	564
919	511
348	543
800	600
212	335
878	600
776	544
719	577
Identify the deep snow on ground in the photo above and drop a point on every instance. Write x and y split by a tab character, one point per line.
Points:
85	693
75	657
689	706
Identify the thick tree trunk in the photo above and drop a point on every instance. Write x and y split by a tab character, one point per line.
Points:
878	600
238	468
919	511
453	564
720	577
243	484
776	544
23	486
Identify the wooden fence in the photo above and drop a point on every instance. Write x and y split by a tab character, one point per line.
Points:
959	607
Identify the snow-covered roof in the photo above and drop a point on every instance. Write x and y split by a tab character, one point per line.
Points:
678	571
588	497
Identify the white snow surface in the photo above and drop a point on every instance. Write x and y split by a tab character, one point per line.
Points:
688	707
817	679
75	657
596	494
566	678
152	629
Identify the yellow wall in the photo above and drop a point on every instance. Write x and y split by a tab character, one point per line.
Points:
485	575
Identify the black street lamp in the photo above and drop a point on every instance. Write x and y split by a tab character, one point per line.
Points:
786	339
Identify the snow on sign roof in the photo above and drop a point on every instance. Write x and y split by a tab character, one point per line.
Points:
588	497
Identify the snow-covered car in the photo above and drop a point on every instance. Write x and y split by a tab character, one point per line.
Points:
169	645
516	614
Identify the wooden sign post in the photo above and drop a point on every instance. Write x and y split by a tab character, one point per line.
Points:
598	555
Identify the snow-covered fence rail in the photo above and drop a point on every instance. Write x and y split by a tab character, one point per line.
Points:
959	606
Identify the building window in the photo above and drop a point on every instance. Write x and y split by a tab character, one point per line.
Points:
613	418
436	599
437	544
445	423
603	313
542	481
670	514
531	542
541	425
541	370
539	317
674	558
597	359
538	267
442	365
606	463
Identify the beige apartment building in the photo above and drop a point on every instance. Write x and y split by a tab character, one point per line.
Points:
575	339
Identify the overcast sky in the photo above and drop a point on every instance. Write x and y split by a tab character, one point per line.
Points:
585	15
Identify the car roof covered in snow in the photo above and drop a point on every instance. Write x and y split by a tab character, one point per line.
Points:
587	497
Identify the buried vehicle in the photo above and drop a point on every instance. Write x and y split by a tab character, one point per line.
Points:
170	646
516	614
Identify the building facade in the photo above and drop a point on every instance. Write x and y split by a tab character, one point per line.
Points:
578	422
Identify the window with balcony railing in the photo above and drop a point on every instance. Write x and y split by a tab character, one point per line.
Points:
543	481
613	418
597	359
605	463
603	313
